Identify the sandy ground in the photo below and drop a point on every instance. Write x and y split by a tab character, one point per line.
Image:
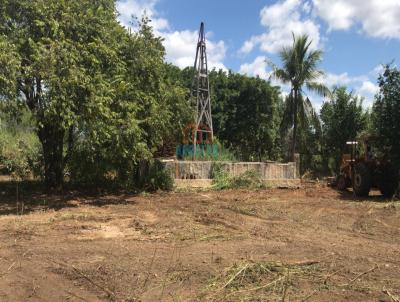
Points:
310	244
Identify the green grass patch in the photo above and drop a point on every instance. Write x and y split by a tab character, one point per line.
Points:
250	179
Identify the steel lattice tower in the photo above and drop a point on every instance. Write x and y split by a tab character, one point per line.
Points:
201	93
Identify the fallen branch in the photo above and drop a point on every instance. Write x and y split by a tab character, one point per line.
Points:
359	276
394	298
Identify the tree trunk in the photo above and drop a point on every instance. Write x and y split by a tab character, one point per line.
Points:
52	140
295	101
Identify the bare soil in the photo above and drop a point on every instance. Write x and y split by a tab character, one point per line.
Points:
310	244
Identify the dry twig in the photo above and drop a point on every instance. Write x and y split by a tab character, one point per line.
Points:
106	290
258	287
310	295
76	296
11	266
359	276
285	287
150	268
79	272
392	297
235	276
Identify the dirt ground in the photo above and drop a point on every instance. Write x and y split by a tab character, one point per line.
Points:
309	244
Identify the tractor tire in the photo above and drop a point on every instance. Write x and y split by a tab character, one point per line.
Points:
341	183
389	182
362	180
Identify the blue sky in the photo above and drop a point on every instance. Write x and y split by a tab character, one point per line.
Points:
357	36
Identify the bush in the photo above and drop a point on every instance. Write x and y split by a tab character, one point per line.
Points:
155	177
247	180
20	152
147	175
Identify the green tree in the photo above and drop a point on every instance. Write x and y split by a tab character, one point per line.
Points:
99	95
149	110
386	112
64	49
246	115
9	61
343	118
299	69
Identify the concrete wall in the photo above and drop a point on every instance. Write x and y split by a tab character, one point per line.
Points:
203	169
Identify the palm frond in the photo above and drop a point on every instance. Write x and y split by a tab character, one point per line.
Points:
319	88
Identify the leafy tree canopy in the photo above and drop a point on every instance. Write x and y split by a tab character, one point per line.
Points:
386	112
97	93
343	118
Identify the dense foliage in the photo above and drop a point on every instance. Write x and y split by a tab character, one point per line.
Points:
343	118
97	93
20	154
247	115
386	112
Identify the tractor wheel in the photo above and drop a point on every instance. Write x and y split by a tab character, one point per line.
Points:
362	180
389	182
341	183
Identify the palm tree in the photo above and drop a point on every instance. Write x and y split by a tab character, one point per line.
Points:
299	69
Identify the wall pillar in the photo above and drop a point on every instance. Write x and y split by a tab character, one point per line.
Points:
297	162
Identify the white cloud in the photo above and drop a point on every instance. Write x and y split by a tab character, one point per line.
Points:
181	49
377	18
136	8
377	70
361	85
279	13
180	46
257	68
343	79
247	46
368	88
281	20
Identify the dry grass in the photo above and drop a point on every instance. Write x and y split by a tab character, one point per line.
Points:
258	281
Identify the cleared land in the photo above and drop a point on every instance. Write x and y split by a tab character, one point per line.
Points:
311	244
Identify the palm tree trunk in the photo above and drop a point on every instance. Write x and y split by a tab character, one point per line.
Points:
293	149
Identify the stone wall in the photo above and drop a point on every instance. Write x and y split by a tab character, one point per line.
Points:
203	169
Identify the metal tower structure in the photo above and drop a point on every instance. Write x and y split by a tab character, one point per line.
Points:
201	94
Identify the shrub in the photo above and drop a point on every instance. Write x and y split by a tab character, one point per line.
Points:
20	152
156	177
250	179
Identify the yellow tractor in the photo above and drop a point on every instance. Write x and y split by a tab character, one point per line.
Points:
364	168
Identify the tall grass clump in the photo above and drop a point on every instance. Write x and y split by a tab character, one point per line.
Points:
250	179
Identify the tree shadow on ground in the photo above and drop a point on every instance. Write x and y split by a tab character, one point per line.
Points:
32	197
